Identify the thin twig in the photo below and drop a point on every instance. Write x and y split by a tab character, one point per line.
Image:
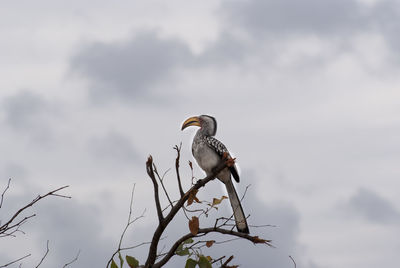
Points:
44	256
135	246
161	180
169	205
20	259
5	227
129	222
217	260
5	190
263	225
178	156
73	260
293	261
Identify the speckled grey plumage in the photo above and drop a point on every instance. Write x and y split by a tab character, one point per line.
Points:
208	152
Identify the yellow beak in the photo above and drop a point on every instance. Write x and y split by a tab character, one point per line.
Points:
192	121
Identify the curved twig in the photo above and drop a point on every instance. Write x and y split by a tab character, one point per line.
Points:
150	172
45	254
178	156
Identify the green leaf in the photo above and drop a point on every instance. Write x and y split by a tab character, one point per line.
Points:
121	260
113	264
204	262
188	241
132	262
190	263
182	252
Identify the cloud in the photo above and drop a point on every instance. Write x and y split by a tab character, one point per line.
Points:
29	113
113	148
226	49
77	226
22	109
260	17
373	207
130	70
337	20
12	170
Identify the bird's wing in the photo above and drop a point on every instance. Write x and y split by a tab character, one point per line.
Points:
220	149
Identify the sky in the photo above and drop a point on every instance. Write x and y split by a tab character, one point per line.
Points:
306	95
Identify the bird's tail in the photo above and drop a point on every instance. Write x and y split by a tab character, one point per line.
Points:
240	218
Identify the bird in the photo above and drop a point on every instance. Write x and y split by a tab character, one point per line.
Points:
208	152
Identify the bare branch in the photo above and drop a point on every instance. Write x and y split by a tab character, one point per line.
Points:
135	246
8	264
44	256
15	227
293	261
165	221
204	231
227	261
73	260
219	259
9	225
178	156
150	172
129	222
5	190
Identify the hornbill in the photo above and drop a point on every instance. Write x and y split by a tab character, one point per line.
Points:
208	152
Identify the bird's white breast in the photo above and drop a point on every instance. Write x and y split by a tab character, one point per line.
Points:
206	158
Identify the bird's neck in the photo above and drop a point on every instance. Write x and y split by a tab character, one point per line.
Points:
204	132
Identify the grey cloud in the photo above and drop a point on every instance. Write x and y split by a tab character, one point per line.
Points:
373	207
68	224
22	109
12	170
385	21
130	70
30	114
113	148
323	17
284	235
227	49
134	70
261	19
71	226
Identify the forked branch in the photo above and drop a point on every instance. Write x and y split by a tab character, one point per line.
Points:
13	224
163	222
204	231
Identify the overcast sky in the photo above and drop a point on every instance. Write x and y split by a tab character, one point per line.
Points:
306	95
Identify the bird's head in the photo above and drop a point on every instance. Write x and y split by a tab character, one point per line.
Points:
207	124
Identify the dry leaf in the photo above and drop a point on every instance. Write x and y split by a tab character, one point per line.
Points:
217	201
210	243
258	240
192	197
194	225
